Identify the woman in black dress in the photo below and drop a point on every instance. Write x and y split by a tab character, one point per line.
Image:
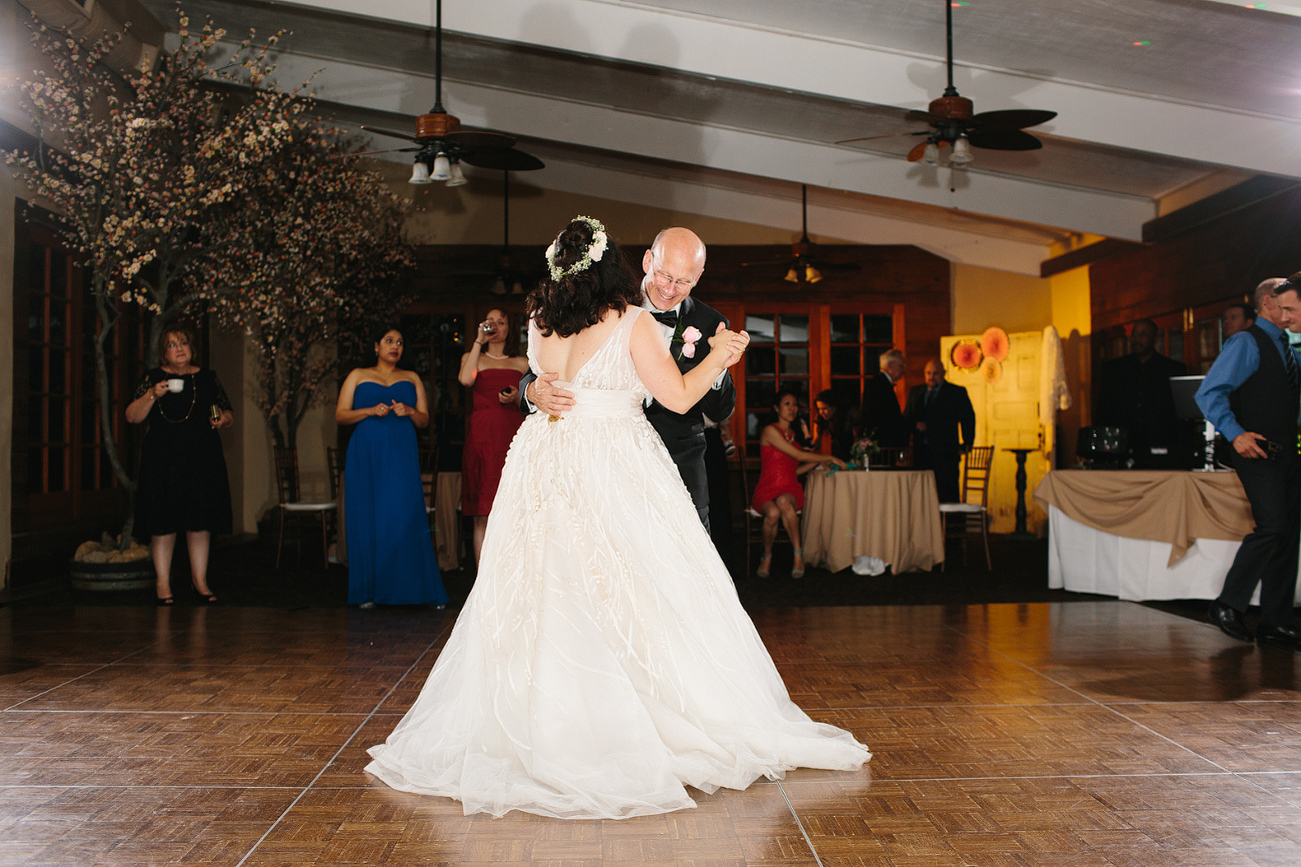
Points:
183	484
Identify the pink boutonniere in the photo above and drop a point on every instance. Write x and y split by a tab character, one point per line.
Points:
689	337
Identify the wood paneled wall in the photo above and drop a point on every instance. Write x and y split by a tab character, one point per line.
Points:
1217	261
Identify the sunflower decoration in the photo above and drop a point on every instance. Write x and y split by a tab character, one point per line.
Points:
991	370
966	354
995	343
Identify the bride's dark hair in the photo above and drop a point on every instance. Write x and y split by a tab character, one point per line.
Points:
576	301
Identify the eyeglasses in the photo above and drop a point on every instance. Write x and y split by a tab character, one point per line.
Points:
661	277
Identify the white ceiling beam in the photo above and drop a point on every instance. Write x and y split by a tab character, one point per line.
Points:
1102	213
706	46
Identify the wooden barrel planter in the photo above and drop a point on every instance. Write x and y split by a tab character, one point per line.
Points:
128	575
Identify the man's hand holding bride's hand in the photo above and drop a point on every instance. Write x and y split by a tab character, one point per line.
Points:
547	398
732	342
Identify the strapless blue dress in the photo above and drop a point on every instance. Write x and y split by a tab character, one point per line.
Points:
390	553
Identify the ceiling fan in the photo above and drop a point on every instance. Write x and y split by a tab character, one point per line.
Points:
805	264
441	144
953	123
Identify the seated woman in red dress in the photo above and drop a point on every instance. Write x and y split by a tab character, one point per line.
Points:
779	495
491	369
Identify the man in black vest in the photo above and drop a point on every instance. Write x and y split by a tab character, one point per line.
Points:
936	412
1252	394
673	265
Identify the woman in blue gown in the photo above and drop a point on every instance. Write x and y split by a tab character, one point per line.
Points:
390	555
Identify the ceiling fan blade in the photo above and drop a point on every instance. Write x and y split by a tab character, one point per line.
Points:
480	140
373	129
917	152
508	159
376	153
1003	140
887	135
1016	118
835	266
922	117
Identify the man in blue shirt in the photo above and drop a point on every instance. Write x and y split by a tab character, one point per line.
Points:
1252	394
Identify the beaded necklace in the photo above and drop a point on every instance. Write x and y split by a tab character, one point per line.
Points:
194	396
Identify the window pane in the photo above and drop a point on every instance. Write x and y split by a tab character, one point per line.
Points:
58	414
416	329
760	393
58	480
89	421
58	274
36	420
845	361
36	267
106	480
1176	345
36	369
417	359
58	323
878	329
794	328
844	328
848	392
35	324
760	360
794	360
35	471
762	327
87	480
58	371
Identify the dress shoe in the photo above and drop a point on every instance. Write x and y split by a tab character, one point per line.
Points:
1230	621
1282	637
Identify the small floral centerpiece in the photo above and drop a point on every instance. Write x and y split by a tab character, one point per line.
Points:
863	449
687	338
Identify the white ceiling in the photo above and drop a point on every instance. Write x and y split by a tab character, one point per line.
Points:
707	105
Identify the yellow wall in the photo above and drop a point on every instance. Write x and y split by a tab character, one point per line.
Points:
984	297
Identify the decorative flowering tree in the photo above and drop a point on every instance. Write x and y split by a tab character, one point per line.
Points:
324	253
151	174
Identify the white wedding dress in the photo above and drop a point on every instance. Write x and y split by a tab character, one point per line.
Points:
602	662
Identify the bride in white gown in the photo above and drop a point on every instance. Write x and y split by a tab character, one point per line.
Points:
602	662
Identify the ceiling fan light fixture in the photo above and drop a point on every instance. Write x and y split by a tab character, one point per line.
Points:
931	155
811	274
792	276
961	152
498	287
456	177
419	173
442	168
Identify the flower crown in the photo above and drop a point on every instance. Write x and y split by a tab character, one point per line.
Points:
593	253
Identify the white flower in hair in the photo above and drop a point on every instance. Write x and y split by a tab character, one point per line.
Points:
593	253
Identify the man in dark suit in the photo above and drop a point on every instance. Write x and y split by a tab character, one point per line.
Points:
881	414
1252	395
937	412
673	266
1134	393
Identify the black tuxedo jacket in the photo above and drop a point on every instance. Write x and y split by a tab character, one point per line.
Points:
881	412
949	413
717	403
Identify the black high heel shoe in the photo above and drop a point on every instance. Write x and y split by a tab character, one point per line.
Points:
208	598
164	601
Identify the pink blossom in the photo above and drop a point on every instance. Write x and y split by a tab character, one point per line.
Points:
690	336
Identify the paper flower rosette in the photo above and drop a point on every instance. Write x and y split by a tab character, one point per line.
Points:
966	354
994	343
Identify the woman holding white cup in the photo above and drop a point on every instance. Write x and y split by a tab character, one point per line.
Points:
183	482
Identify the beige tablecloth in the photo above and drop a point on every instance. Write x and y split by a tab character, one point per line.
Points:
1173	506
893	515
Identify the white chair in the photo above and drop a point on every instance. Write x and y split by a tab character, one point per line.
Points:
293	508
964	519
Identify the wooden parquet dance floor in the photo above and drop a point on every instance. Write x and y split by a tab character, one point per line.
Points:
1082	733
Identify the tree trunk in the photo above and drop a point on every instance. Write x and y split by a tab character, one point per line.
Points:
108	318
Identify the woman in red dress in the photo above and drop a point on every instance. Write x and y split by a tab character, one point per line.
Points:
779	495
491	369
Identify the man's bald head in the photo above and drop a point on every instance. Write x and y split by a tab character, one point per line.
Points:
673	265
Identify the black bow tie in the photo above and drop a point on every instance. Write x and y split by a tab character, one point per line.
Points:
666	317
